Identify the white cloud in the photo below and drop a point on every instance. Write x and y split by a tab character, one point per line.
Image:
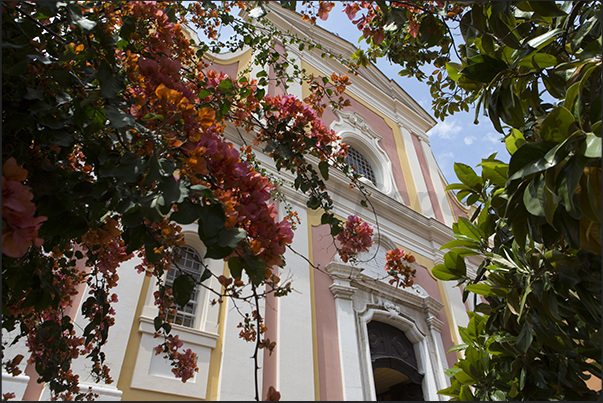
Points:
493	137
469	140
446	130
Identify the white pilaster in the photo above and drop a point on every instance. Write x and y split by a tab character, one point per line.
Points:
294	344
434	172
346	329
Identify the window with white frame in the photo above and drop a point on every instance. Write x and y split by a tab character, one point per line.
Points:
196	324
189	262
361	165
365	154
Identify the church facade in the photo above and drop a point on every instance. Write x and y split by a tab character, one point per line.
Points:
344	333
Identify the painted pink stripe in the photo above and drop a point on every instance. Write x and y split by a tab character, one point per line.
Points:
329	370
269	375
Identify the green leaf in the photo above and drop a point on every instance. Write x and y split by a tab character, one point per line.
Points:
118	118
75	15
225	85
533	197
546	8
556	125
203	94
455	263
313	203
110	85
323	166
458	347
524	339
457	186
467	175
486	224
128	27
211	222
483	68
130	167
551	201
466	227
465	379
453	70
459	243
158	323
449	391
255	269
235	266
538	61
230	238
182	289
495	172
441	272
187	213
487	290
593	146
514	141
530	159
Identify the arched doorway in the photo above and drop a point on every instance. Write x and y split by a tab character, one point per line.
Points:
394	364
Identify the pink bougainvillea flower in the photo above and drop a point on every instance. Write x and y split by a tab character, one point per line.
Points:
18	212
355	238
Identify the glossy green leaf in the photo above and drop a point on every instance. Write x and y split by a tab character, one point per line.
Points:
467	175
533	198
525	337
547	8
593	146
555	126
483	68
323	166
514	141
182	289
460	243
466	227
487	290
538	61
187	213
441	272
235	266
453	70
255	269
75	15
211	222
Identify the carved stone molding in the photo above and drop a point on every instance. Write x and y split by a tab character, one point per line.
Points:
342	291
435	324
355	131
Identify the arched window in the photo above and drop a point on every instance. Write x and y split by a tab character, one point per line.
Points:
189	262
361	164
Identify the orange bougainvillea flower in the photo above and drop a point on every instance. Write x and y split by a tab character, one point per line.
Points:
167	94
207	117
13	172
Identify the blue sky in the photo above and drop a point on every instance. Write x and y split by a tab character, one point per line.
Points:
456	139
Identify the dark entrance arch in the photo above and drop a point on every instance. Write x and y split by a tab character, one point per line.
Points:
394	363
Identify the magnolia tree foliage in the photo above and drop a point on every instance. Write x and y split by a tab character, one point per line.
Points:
534	68
113	137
